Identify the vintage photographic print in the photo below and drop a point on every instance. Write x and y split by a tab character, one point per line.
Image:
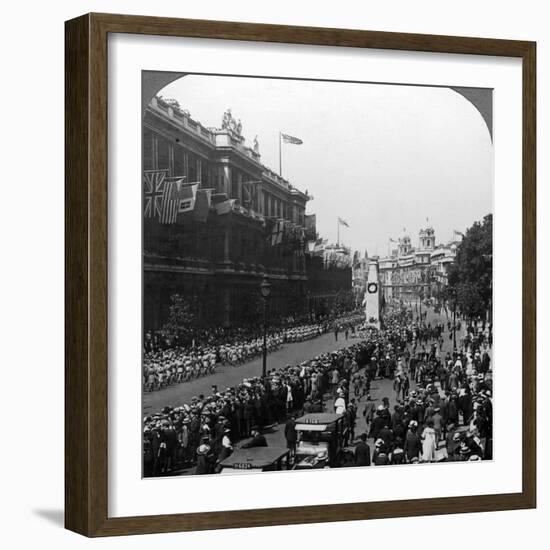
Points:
317	275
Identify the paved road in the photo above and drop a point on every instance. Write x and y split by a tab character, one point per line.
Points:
226	376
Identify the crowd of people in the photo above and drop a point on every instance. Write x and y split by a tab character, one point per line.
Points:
165	365
442	410
449	414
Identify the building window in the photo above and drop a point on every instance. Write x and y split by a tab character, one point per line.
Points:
178	161
191	168
148	150
163	154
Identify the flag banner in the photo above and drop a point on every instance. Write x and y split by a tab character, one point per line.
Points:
279	238
392	240
343	222
277	234
225	207
169	209
456	232
311	226
249	193
218	197
153	187
186	196
291	139
202	204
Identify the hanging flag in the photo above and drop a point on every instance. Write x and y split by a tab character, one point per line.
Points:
185	195
169	209
311	226
202	204
153	187
291	139
343	222
218	197
277	231
225	207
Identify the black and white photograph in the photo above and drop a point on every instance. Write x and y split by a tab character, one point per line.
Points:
317	274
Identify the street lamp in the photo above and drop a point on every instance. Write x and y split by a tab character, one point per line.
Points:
265	292
453	292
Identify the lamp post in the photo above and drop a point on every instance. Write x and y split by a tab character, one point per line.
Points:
265	291
454	320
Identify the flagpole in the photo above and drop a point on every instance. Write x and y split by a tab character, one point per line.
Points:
280	158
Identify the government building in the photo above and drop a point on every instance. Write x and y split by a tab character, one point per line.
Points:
216	220
412	273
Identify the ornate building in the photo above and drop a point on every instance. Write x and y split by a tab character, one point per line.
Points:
251	223
410	273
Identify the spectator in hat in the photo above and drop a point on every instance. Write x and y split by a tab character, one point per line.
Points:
413	445
227	446
438	424
386	434
398	453
204	459
429	442
362	451
380	456
290	434
340	404
377	423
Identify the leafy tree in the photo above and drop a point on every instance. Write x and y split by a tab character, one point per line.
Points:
181	318
252	309
471	277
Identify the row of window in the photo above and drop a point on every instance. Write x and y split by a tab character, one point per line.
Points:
159	153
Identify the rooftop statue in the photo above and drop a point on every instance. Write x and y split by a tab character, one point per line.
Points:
229	123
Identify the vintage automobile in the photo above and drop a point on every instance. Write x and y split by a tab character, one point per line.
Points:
255	460
321	440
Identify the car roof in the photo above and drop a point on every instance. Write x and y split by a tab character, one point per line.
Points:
319	418
257	457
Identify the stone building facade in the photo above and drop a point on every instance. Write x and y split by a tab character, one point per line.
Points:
255	225
220	260
412	273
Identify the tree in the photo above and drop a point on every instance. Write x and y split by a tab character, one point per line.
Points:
471	276
181	318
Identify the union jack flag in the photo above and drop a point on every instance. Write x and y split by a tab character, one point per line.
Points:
154	182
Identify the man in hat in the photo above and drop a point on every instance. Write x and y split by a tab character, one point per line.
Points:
380	456
413	445
377	423
438	423
227	446
362	451
340	402
290	434
204	458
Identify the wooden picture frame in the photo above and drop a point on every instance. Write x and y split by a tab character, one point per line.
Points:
86	416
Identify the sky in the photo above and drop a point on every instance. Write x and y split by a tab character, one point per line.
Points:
382	157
